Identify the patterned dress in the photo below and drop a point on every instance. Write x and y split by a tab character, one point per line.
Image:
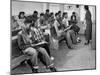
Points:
88	31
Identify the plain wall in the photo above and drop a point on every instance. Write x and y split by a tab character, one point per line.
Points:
29	7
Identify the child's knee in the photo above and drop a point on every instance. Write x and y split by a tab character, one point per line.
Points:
32	51
42	50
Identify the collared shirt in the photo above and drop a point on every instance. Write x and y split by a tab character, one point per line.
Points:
37	35
46	16
56	26
34	18
73	19
24	40
40	22
65	22
20	21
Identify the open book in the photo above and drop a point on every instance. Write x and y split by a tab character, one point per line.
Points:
67	28
40	43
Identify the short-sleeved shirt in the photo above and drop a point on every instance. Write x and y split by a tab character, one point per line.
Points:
65	22
37	35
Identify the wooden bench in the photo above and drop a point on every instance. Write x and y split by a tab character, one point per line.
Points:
18	60
16	55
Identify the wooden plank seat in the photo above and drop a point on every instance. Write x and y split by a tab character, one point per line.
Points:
14	32
17	55
18	60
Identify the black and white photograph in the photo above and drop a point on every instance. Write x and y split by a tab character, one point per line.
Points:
51	37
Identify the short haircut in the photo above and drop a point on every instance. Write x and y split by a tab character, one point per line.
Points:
56	14
35	11
86	7
59	12
22	12
73	13
51	14
47	10
42	14
64	14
